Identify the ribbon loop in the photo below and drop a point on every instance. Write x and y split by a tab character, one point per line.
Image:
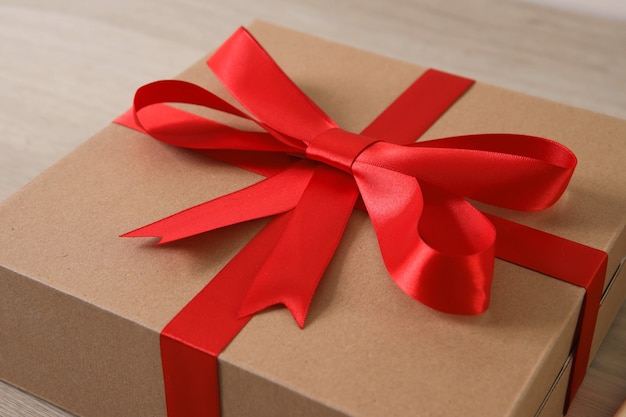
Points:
338	148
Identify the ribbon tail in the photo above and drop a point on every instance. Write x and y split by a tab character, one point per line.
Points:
191	342
273	195
311	235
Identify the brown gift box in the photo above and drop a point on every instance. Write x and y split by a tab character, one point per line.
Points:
82	309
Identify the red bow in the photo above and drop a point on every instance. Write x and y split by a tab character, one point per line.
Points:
437	247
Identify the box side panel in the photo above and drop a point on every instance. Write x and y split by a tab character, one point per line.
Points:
614	296
611	302
75	355
553	404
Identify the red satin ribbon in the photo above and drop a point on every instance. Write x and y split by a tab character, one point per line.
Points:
437	247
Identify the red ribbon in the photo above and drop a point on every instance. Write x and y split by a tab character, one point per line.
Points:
437	247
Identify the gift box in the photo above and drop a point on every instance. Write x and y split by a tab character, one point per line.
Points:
84	310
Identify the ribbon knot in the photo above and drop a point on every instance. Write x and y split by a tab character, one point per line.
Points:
338	148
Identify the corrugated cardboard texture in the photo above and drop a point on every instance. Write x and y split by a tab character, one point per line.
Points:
98	301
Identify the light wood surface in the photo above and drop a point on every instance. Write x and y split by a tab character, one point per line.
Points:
68	67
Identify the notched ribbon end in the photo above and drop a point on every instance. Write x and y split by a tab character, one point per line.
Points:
142	232
298	312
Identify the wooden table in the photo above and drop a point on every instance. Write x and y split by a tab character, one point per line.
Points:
68	67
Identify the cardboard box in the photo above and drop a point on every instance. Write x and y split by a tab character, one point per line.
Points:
82	309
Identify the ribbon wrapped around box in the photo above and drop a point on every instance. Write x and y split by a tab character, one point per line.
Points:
437	248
